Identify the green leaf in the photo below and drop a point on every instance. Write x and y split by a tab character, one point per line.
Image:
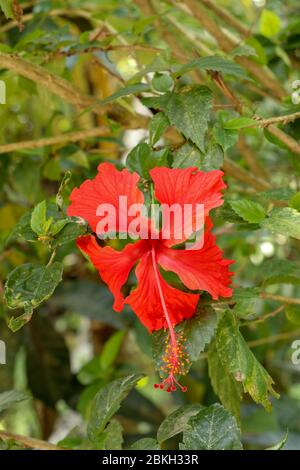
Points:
189	112
225	386
68	232
129	90
9	398
146	443
280	444
113	437
111	349
276	270
162	82
59	196
292	313
107	402
158	124
212	428
240	362
251	211
215	63
189	155
142	159
285	221
198	332
269	23
29	285
225	137
38	221
239	123
6	7
245	299
176	422
294	202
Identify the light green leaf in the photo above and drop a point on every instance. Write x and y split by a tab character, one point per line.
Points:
240	362
280	444
189	112
187	155
146	443
240	123
212	428
111	349
251	211
107	402
225	386
158	124
39	219
225	137
9	398
162	82
215	63
292	313
294	202
177	422
285	221
269	23
6	7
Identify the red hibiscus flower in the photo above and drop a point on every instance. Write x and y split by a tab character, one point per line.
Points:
156	303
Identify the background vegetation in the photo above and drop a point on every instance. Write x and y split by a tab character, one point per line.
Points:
85	83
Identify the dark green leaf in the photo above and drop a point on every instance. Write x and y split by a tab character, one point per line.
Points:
240	362
189	112
147	443
107	402
225	386
142	159
177	422
212	428
158	124
198	332
27	286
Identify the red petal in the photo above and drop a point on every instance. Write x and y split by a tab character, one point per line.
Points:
187	186
113	266
146	303
201	269
105	188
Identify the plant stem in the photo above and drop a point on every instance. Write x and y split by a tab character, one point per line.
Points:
28	442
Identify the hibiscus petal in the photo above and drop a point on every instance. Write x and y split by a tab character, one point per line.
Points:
113	266
200	269
106	188
146	303
182	187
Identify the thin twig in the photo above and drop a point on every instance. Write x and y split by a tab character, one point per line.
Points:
264	317
273	339
280	298
55	140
